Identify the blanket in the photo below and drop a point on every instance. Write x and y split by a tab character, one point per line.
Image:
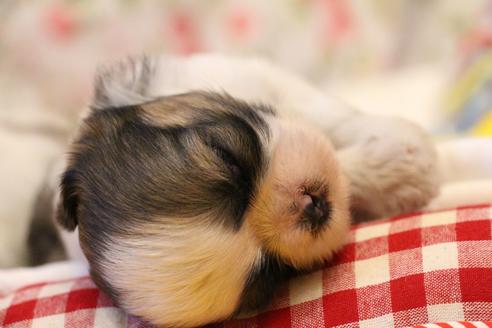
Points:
410	270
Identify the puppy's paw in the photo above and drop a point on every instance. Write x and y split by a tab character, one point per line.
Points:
391	176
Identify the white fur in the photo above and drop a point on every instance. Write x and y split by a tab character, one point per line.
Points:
466	170
165	278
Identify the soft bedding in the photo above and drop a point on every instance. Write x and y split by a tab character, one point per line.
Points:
409	270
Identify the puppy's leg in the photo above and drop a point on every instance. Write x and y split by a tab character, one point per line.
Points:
463	193
465	159
391	163
466	166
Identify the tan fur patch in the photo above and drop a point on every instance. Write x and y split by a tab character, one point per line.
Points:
300	158
180	109
182	275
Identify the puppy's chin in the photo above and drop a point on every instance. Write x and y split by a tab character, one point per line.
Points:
183	277
303	164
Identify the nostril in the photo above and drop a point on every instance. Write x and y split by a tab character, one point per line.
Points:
316	201
304	201
316	211
316	208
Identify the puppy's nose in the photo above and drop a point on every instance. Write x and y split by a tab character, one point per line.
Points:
316	212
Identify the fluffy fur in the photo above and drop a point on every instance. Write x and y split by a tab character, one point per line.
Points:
198	185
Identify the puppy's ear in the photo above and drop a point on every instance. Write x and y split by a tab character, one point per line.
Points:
124	83
68	202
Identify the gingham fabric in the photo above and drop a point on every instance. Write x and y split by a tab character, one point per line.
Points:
406	271
457	324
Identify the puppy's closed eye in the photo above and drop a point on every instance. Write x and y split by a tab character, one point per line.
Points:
228	158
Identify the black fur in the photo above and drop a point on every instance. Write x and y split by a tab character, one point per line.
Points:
264	280
124	172
67	214
43	240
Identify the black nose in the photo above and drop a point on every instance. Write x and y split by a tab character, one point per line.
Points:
316	213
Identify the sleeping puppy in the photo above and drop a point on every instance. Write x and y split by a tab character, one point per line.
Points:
196	186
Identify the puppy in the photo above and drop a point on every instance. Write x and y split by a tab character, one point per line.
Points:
197	185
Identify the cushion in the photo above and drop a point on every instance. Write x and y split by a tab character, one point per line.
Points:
405	271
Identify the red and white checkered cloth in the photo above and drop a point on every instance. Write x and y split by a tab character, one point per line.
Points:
409	270
457	324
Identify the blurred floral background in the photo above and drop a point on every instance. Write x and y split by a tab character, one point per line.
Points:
49	49
426	60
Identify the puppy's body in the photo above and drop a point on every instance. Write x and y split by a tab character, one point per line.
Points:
196	189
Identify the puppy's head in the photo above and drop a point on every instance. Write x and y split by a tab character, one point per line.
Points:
192	206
